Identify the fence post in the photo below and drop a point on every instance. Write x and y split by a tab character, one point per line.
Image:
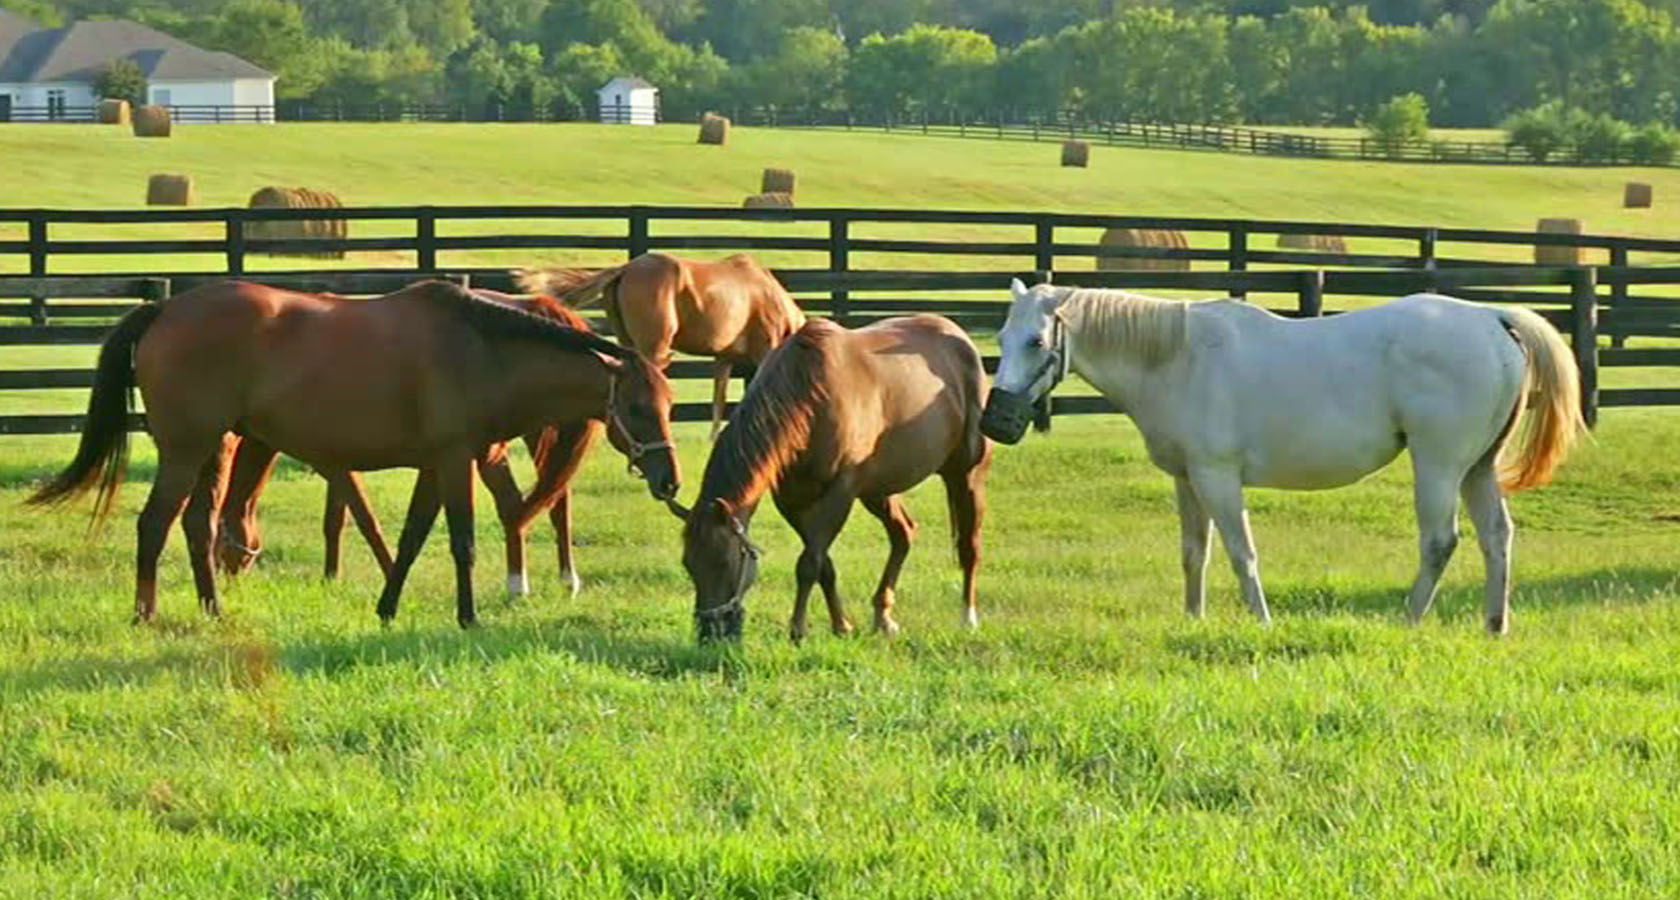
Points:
840	260
1311	304
235	222
1583	302
1237	254
1426	249
638	231
425	241
1618	287
1044	254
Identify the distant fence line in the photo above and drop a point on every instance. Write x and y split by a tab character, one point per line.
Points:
54	306
995	125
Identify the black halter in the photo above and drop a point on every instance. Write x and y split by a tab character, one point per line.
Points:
637	450
736	604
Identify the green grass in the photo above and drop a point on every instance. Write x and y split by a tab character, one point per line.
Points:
1088	741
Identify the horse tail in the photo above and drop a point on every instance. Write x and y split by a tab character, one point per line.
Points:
102	456
1554	384
576	288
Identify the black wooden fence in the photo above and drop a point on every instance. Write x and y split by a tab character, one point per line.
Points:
55	304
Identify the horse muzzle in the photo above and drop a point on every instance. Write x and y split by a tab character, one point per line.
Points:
1007	416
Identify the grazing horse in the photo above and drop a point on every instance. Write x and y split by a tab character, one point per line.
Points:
558	451
732	309
1228	395
836	416
423	378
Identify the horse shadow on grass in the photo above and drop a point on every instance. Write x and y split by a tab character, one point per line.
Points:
222	653
1608	587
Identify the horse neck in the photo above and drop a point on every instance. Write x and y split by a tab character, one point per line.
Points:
563	385
1118	372
759	445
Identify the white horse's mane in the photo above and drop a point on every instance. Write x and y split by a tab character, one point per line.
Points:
1148	328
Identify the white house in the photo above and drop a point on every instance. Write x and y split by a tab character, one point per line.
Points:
628	100
48	73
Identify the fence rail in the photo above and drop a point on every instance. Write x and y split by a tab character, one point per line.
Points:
54	305
192	114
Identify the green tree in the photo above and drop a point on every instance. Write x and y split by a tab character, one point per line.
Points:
805	72
927	67
1402	120
121	79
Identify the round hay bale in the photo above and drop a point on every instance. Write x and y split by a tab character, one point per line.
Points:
114	112
169	190
1636	195
1317	243
714	129
776	181
1076	154
1558	256
1150	238
152	121
273	197
768	200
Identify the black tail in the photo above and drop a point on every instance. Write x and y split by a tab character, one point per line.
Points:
102	456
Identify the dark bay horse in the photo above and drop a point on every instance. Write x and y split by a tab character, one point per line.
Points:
557	450
423	378
733	310
836	416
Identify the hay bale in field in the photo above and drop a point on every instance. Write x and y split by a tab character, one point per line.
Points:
714	129
1318	243
1558	256
1154	238
1076	154
777	181
768	200
152	121
169	190
1636	195
272	197
114	112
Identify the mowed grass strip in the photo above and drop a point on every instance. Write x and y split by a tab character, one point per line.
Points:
1087	741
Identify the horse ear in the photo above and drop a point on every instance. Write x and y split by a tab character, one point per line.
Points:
1016	288
722	508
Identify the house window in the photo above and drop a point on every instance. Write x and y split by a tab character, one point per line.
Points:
55	103
162	97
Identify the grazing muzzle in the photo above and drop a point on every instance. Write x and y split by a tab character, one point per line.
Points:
1008	413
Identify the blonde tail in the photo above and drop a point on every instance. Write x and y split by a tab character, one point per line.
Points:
576	288
1554	384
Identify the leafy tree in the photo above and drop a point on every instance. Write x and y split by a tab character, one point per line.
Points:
1402	120
121	79
1542	131
927	67
805	72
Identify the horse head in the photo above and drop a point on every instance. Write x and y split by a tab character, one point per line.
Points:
638	418
1035	359
722	562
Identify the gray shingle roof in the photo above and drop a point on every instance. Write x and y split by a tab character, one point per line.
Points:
77	52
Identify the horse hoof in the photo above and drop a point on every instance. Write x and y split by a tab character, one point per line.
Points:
1498	626
573	582
518	586
886	627
971	619
467	623
844	628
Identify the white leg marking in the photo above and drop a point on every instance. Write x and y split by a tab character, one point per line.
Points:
518	585
971	619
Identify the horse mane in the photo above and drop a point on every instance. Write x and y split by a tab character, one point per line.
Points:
550	308
772	426
492	318
1149	328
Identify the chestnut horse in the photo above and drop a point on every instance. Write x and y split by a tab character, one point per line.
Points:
557	450
836	416
424	378
732	309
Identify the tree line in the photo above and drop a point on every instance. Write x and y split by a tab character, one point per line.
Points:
1473	62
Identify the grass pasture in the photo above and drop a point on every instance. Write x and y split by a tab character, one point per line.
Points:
1088	741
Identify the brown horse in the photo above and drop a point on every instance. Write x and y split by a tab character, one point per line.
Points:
836	416
732	309
423	378
558	451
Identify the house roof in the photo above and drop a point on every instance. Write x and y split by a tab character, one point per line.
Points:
629	81
13	27
77	52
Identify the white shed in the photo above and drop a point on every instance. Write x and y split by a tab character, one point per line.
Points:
628	100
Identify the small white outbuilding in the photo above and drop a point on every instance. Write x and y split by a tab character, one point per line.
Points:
628	100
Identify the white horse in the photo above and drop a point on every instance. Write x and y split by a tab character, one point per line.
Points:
1228	395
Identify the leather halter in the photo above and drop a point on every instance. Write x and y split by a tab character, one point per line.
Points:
637	449
749	551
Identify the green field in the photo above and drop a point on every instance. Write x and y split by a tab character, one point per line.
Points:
1088	741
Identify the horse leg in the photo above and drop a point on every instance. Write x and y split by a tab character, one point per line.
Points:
1435	495
720	394
498	478
966	496
560	514
1193	525
332	524
1220	493
1486	503
422	513
455	483
901	530
178	473
356	498
238	540
199	523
